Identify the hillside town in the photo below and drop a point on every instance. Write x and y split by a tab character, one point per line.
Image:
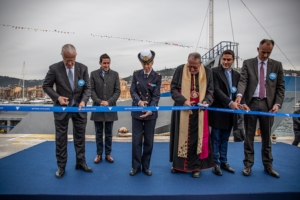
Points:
36	94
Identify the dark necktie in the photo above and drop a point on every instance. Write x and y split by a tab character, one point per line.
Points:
70	76
146	76
262	81
228	76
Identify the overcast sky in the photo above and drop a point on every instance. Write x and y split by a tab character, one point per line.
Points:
172	21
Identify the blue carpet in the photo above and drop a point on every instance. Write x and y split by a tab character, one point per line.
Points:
31	173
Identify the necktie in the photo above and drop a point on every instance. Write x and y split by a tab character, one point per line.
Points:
228	76
146	76
262	81
70	76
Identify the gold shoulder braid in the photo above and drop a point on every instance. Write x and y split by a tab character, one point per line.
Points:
184	114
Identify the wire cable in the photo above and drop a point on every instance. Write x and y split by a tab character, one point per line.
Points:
231	21
268	35
202	27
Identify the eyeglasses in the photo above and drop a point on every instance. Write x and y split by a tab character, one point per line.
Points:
194	67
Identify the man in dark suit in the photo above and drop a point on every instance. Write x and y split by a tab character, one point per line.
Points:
261	85
72	84
225	88
105	90
145	91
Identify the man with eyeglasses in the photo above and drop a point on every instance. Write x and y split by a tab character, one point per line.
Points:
190	149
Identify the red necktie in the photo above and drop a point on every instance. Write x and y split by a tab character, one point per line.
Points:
262	81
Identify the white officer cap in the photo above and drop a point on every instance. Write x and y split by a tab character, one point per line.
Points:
146	56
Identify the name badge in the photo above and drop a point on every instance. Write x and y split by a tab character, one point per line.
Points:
272	76
81	82
233	89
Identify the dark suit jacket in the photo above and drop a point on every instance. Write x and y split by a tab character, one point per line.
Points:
222	120
105	88
57	75
296	121
249	80
145	90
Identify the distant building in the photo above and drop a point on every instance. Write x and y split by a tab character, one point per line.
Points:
2	93
16	92
125	92
35	92
165	86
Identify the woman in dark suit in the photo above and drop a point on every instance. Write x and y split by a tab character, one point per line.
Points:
145	91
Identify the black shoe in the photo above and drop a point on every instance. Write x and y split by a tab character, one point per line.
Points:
227	167
216	170
271	171
60	172
247	171
147	172
134	172
196	174
83	167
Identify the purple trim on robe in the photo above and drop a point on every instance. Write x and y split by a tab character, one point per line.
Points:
205	145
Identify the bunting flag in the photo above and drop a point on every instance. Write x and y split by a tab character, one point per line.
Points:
103	36
37	29
149	41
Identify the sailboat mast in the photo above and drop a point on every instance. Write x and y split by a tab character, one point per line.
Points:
23	71
211	24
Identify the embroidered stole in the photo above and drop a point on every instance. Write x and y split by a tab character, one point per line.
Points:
184	114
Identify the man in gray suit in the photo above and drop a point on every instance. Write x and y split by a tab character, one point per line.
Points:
72	89
105	89
261	85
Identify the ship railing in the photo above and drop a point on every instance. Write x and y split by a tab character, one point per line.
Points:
218	50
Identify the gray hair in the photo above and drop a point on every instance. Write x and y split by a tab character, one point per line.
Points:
69	48
195	56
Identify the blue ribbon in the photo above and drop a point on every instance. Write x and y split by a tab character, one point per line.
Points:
133	109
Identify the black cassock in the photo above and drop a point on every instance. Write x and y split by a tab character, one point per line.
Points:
192	162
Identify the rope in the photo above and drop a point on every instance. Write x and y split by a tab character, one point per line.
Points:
231	21
202	27
269	35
